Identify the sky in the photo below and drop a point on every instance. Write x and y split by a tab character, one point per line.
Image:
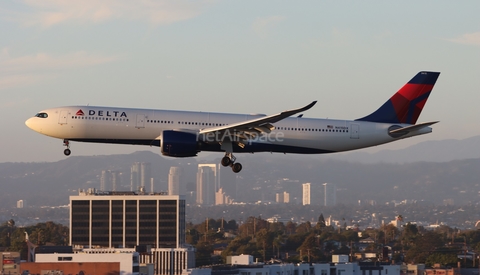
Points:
232	56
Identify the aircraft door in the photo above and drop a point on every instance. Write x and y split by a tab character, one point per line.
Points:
354	131
62	119
140	123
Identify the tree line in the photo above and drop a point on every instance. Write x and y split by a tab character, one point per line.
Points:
214	240
12	238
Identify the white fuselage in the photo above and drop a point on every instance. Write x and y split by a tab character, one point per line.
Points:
145	126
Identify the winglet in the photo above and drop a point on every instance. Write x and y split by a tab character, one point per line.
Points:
288	113
406	105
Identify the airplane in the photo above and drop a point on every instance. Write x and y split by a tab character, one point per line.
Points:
186	133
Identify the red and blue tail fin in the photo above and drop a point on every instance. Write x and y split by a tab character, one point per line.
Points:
406	105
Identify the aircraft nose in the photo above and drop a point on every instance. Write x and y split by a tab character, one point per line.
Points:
30	123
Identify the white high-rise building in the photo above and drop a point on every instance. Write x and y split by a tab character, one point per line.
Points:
140	175
21	204
282	197
221	197
311	193
174	181
330	194
109	179
206	184
306	197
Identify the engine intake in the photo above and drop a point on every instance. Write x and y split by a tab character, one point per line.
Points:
179	144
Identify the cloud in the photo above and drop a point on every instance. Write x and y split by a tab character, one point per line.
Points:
31	69
467	39
12	81
47	13
44	61
262	26
14	103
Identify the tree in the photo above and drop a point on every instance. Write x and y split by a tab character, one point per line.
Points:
409	234
264	240
321	222
203	253
278	242
291	227
310	249
446	259
304	228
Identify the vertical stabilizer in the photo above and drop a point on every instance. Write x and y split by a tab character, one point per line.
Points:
406	105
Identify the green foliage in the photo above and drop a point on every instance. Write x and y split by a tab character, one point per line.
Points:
13	238
321	222
445	259
203	253
301	242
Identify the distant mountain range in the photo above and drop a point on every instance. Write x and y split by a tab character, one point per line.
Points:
429	151
432	171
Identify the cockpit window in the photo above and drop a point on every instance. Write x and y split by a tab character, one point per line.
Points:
42	115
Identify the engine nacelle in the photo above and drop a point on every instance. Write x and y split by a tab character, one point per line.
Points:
179	144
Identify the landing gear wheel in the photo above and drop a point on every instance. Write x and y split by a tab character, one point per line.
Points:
236	167
67	151
226	161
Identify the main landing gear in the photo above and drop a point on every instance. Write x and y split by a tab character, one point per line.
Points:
67	151
229	160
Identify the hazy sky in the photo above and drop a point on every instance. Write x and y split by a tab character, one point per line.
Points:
232	56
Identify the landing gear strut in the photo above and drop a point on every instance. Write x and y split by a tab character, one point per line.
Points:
67	151
229	160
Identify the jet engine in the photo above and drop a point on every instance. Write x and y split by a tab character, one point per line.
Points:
179	144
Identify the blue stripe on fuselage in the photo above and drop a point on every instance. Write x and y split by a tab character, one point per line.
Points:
249	147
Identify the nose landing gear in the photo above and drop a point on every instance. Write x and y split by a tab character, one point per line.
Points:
229	160
67	151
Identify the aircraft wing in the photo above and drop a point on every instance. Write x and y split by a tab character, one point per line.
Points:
251	128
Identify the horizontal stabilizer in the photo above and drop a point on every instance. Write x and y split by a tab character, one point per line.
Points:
405	130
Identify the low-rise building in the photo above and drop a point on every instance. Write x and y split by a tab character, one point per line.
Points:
243	264
90	261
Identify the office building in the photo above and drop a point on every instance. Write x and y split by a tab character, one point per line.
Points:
311	194
125	220
330	194
282	197
174	181
109	180
140	175
21	204
227	181
222	198
306	187
206	184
